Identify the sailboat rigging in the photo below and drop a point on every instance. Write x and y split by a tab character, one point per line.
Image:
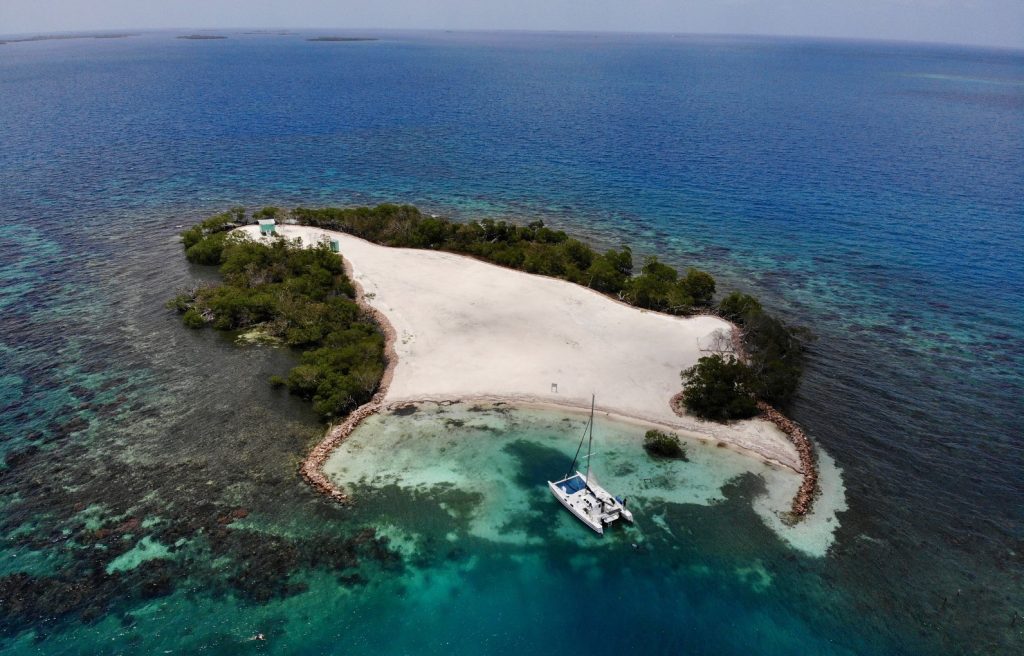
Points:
581	494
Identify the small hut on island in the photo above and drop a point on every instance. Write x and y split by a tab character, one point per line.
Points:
267	227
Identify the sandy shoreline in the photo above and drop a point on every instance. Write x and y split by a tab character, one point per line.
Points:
467	330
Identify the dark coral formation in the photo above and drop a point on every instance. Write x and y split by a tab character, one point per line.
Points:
84	515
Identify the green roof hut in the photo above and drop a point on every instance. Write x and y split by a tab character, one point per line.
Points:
266	227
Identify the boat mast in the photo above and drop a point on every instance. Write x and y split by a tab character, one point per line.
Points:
579	448
590	444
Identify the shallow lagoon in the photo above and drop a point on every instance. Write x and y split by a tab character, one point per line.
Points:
500	458
461	491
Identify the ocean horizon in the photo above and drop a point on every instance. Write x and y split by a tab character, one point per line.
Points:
869	191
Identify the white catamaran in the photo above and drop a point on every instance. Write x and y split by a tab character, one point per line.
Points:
581	494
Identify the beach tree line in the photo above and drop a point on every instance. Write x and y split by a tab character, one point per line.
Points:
534	248
299	296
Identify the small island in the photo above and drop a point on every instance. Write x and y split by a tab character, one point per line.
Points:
67	37
341	39
202	37
392	307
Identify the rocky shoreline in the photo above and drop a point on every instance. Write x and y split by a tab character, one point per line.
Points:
312	466
804	498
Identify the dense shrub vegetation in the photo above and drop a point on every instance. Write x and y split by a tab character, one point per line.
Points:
303	298
663	445
775	351
719	388
205	241
299	296
723	389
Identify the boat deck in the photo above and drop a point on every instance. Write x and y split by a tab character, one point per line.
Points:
589	502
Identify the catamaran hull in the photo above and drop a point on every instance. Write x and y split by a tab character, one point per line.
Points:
564	500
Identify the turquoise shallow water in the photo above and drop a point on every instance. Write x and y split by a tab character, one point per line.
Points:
870	191
471	551
453	446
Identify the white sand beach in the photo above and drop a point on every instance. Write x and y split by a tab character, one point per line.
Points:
466	329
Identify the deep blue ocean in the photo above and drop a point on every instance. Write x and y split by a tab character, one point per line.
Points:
873	192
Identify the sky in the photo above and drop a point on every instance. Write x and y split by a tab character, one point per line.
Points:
983	22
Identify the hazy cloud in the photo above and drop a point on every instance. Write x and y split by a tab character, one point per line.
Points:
986	22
